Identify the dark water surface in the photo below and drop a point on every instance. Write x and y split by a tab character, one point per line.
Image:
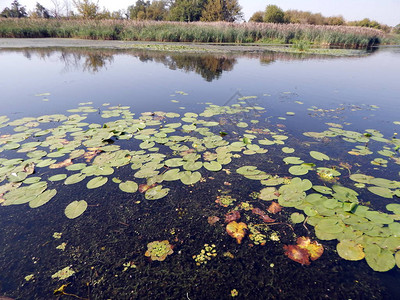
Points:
353	93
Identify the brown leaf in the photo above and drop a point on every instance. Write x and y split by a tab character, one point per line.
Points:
274	208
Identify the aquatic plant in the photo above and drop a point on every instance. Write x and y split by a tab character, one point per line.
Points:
205	254
236	230
159	250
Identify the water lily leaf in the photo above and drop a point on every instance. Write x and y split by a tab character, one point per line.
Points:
156	192
128	186
17	177
361	178
174	162
172	175
57	177
268	194
146	145
350	250
322	189
394	207
75	209
43	198
384	183
379	217
319	156
297	218
292	160
299	170
242	124
379	259
287	150
189	178
330	225
75	178
381	191
213	166
192	165
96	182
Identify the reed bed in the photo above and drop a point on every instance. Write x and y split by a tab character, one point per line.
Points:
200	32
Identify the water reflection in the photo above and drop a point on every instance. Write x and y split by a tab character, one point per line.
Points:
209	66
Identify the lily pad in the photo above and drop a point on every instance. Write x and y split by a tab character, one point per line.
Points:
379	259
381	191
189	178
297	218
43	198
212	166
75	209
128	186
156	192
350	250
319	156
96	182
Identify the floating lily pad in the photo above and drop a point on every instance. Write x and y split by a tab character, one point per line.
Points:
381	191
189	178
379	259
43	198
297	218
319	156
156	192
268	194
350	250
75	209
299	170
213	166
57	177
96	182
128	186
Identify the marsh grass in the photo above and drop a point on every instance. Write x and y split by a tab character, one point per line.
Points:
217	32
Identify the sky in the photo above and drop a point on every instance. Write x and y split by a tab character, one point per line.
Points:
383	11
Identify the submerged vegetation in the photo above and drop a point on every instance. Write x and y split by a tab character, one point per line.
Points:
200	32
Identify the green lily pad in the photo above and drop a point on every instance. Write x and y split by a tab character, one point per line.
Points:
299	170
361	178
292	160
379	259
128	186
350	250
287	150
319	156
297	218
43	198
96	182
57	177
156	192
75	178
381	191
189	177
75	209
172	175
268	193
212	166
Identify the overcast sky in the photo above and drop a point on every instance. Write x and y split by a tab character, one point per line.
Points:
383	11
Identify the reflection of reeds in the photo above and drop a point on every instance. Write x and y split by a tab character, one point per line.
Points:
217	32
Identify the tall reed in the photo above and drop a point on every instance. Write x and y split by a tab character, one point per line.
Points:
216	32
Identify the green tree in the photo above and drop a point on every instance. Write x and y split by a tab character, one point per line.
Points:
157	10
186	10
221	10
396	29
86	8
15	11
138	11
274	14
257	17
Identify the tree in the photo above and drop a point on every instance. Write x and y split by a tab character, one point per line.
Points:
15	11
274	14
86	8
221	10
138	11
257	17
41	12
186	10
396	29
157	10
57	11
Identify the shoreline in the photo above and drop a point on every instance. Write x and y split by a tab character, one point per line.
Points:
21	43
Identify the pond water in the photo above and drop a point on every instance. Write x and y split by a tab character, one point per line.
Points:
123	169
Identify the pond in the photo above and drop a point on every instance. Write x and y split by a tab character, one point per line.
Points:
149	175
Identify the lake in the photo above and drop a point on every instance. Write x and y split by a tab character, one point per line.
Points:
133	174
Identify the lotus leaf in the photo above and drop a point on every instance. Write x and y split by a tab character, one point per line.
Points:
379	259
75	209
156	192
128	186
350	250
96	182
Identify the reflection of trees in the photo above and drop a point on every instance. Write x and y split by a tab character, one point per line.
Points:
208	66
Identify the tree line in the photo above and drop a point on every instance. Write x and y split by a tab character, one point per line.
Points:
274	14
157	10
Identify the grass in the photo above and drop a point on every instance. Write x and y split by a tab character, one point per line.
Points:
218	32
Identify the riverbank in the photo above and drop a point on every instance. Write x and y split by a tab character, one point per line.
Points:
21	43
196	32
